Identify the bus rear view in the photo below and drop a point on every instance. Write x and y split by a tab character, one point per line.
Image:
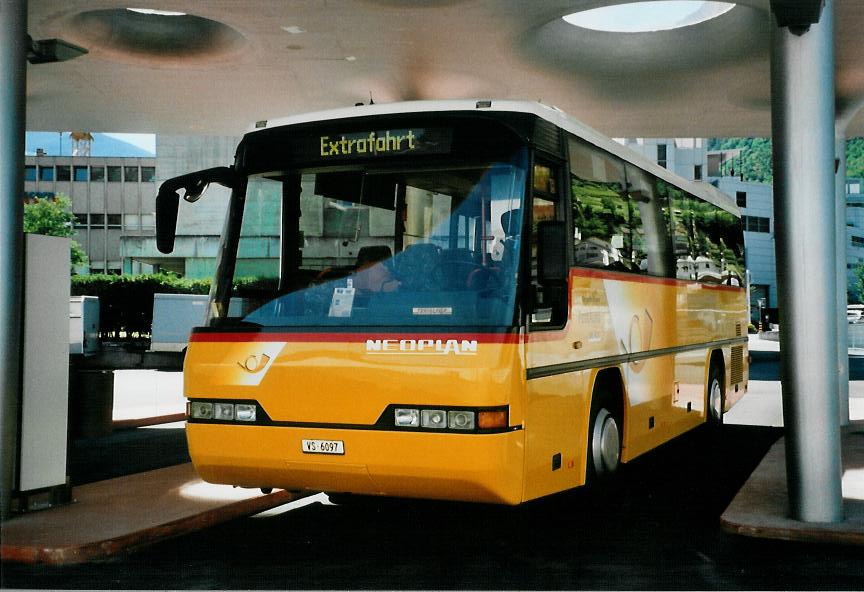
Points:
380	282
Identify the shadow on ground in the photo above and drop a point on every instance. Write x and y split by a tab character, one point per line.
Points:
657	527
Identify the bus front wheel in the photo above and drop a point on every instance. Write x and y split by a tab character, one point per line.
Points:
604	440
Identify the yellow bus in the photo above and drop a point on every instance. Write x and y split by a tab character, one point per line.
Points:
466	300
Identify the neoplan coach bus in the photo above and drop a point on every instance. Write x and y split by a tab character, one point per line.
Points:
482	301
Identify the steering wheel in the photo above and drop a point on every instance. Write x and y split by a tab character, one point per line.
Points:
476	277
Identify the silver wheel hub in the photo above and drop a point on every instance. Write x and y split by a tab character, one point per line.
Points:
715	399
606	443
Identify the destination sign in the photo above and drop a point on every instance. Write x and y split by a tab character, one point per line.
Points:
395	142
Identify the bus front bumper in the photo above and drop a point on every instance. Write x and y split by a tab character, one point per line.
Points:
463	467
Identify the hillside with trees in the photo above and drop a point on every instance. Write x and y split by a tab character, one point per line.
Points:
755	160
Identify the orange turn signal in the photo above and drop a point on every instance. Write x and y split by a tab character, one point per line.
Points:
492	419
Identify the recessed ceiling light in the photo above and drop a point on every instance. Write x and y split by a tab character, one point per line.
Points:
293	29
156	12
648	17
350	59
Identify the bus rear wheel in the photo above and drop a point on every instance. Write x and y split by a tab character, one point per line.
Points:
716	395
604	440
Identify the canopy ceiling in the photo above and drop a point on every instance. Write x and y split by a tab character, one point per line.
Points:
229	63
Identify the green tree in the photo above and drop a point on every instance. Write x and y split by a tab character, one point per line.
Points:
855	157
855	289
755	160
54	217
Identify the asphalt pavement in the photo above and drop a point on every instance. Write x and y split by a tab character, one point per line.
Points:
656	527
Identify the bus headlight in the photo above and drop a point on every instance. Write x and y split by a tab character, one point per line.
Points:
201	410
433	418
446	419
407	418
460	420
223	411
245	412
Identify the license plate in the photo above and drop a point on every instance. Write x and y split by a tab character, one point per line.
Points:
323	447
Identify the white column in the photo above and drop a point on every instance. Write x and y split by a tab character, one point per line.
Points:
840	258
13	65
802	118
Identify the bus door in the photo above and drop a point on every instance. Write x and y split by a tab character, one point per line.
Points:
554	450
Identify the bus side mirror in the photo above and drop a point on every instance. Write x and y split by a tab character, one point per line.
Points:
193	186
551	252
167	204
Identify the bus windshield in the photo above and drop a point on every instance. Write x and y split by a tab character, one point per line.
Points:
436	246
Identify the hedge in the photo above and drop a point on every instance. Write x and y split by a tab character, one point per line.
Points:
126	301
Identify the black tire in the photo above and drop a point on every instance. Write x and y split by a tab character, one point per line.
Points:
715	395
355	500
605	438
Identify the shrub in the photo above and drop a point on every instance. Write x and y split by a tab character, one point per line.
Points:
126	301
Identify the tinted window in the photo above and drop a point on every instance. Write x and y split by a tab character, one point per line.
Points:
725	242
413	247
97	173
115	174
648	212
63	172
148	174
30	172
130	174
601	232
709	245
81	173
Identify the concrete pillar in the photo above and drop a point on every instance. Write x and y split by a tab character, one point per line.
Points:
802	118
13	65
840	238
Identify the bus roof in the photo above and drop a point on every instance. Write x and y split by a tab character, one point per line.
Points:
551	114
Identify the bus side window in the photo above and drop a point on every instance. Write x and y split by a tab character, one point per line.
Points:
601	212
652	251
548	302
723	251
685	240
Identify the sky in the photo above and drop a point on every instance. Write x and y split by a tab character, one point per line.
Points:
104	144
146	142
647	16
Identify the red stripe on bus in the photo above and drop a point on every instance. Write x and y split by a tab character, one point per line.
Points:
346	337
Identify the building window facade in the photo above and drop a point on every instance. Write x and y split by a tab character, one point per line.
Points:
46	173
661	155
756	224
741	199
115	184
